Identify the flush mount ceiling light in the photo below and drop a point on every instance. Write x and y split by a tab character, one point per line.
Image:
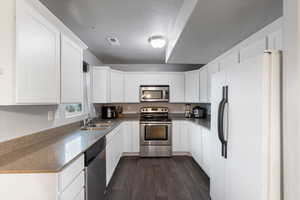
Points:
157	41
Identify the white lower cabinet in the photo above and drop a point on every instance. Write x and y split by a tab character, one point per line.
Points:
131	142
180	138
195	133
69	184
206	141
114	150
124	138
192	138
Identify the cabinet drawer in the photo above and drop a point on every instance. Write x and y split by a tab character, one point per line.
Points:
74	188
70	173
81	195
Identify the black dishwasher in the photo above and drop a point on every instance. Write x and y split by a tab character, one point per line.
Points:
95	168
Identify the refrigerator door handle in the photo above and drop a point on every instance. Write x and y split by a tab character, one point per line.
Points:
221	112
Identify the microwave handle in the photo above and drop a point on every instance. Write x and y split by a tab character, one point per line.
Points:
166	94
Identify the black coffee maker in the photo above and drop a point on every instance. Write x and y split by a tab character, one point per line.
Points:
109	112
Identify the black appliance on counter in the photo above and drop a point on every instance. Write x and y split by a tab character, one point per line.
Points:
109	112
95	170
199	112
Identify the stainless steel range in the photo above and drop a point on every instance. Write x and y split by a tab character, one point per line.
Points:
155	132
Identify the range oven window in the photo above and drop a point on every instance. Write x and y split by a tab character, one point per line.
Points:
152	94
157	132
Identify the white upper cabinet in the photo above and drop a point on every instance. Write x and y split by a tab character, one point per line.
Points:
117	86
31	56
71	71
37	58
275	40
131	87
212	68
203	73
192	86
229	59
177	89
101	85
254	49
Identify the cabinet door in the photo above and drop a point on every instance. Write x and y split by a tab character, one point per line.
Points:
254	49
206	150
101	85
71	71
109	162
176	131
198	144
184	137
117	86
229	60
192	86
127	139
132	88
37	58
119	143
135	136
275	40
176	82
203	85
212	68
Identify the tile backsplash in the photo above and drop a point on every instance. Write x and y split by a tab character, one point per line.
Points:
135	107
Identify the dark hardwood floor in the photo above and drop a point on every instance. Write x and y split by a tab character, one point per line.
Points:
176	178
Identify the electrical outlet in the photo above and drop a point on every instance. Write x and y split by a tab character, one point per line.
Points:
51	115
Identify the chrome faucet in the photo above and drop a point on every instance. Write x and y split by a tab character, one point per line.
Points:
87	121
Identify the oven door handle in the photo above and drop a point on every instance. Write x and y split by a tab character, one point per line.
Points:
156	124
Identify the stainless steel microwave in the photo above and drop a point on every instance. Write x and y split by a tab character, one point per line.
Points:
154	93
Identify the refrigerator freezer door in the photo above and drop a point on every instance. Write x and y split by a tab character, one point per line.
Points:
252	168
244	161
217	184
253	165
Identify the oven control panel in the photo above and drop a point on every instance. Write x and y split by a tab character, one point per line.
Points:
154	110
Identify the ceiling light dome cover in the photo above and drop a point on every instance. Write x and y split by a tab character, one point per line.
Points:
157	41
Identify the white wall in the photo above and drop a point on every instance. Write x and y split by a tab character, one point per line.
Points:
17	121
291	89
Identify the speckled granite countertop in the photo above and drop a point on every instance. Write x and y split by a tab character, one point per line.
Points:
51	155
